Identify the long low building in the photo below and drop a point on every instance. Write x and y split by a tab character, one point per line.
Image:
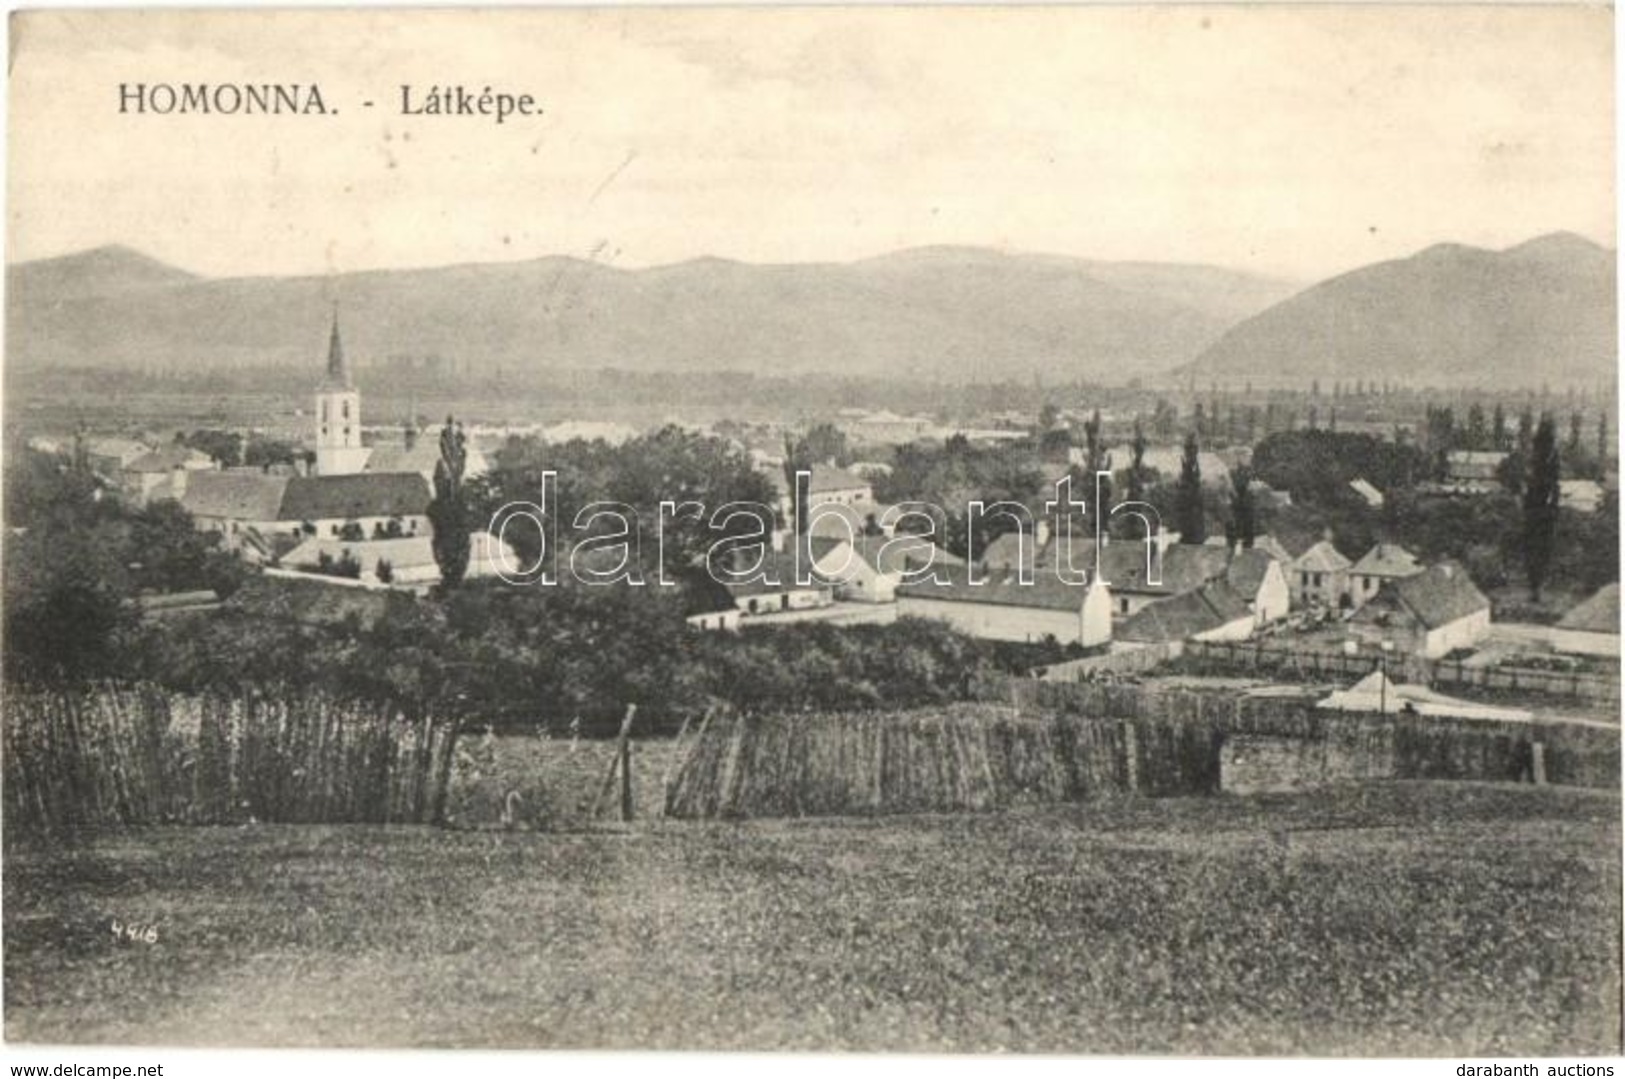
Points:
1000	607
251	509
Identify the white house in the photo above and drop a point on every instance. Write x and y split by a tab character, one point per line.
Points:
1383	563
1321	575
826	483
410	560
869	568
163	473
1592	628
999	607
1429	614
776	587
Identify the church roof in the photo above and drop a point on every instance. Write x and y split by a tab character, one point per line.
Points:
363	494
338	367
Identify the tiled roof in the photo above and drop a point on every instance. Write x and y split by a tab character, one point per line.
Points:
239	496
167	459
1388	560
1247	571
781	567
826	518
1185	615
1001	588
364	494
1321	558
1599	614
1439	595
890	554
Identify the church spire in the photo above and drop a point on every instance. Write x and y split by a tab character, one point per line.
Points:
338	368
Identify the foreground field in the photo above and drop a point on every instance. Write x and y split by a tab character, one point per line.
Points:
1388	919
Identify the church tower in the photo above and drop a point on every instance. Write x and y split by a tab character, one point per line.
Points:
339	451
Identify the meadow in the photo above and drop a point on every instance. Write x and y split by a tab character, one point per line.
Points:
1383	918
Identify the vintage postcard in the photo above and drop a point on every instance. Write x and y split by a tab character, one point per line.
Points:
1072	530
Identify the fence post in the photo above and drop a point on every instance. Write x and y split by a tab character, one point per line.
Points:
625	761
609	777
1539	768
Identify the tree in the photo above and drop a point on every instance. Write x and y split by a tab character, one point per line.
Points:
1498	429
1243	513
1188	496
1575	433
1603	445
1136	466
1540	505
448	512
1477	432
824	444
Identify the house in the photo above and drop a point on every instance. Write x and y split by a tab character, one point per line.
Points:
162	473
1258	577
826	483
409	560
869	568
1320	575
844	520
164	604
1369	494
1582	496
1430	614
109	456
1211	612
726	619
999	607
1383	563
239	505
1474	468
887	428
1591	628
777	588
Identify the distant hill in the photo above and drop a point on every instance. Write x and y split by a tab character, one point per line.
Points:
1543	311
951	313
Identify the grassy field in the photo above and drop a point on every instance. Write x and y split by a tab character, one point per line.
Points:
1399	918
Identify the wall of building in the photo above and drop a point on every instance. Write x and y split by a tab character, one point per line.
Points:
1580	643
1462	633
997	622
1274	599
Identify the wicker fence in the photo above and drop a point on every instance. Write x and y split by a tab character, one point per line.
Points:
1057	742
113	757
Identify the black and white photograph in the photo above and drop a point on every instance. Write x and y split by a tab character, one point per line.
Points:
1082	531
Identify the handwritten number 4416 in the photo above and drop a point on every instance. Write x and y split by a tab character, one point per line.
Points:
144	934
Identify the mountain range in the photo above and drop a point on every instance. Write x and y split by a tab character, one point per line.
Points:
1543	311
953	314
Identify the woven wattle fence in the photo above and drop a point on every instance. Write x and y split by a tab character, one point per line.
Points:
114	757
1080	742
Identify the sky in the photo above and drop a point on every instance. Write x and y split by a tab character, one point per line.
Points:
1296	142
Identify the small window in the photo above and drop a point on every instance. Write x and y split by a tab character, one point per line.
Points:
346	410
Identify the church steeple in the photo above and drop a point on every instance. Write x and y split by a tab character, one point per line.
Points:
338	368
339	449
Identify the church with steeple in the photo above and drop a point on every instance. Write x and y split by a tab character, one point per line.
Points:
339	451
